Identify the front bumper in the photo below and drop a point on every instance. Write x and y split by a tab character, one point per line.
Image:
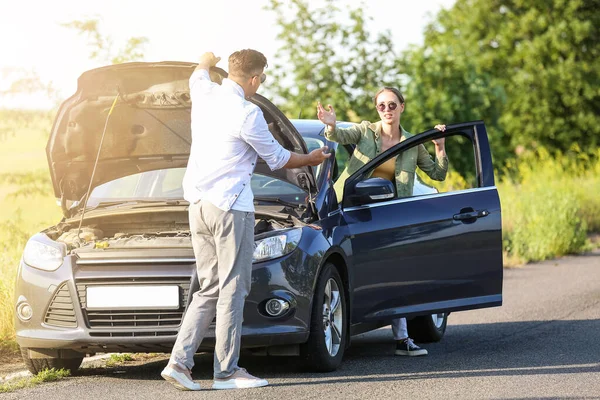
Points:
61	320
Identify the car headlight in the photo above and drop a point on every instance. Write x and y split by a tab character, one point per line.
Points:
276	244
43	253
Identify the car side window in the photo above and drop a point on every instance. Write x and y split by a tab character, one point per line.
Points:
313	144
418	164
462	170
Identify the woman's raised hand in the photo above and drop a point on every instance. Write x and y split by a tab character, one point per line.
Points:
440	142
326	117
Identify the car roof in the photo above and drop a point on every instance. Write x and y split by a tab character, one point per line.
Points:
312	128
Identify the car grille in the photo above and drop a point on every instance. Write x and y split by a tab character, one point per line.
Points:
61	312
139	319
133	334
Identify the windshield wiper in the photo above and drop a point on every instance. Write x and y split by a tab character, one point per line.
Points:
279	201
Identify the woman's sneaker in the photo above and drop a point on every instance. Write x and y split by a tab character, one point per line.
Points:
180	378
406	347
240	379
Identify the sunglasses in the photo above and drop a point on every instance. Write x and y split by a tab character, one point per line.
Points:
391	105
263	78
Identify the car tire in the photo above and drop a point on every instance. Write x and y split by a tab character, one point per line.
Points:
36	365
428	328
328	326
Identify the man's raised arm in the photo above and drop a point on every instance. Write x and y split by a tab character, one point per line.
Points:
200	83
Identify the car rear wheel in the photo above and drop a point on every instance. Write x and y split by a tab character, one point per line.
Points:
328	328
428	328
35	365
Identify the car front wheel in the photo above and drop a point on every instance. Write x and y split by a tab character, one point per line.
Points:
328	328
36	365
428	328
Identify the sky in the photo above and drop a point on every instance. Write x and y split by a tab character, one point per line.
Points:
32	38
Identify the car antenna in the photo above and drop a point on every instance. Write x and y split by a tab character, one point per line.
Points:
87	195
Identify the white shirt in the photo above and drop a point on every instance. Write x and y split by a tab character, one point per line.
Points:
228	135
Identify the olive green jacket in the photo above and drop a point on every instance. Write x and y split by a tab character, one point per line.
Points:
367	138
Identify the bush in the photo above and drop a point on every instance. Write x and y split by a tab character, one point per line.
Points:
549	204
546	225
586	187
12	242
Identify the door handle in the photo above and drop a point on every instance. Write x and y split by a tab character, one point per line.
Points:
465	215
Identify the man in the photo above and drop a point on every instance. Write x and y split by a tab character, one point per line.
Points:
228	134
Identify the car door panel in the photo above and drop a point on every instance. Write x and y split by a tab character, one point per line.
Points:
401	253
430	253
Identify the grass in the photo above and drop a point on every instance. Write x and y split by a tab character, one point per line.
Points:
47	375
9	352
27	203
117	359
550	205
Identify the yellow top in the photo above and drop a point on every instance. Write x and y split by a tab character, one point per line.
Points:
387	170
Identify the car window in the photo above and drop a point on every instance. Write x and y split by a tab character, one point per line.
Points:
148	185
167	184
462	170
171	181
461	173
341	159
312	144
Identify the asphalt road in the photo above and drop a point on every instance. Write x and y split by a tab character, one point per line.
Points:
544	342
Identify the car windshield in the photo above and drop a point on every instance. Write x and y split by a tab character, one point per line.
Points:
166	184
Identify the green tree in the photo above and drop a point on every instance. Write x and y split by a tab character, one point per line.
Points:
530	69
330	55
448	85
102	46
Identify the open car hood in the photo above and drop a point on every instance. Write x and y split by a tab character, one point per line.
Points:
149	128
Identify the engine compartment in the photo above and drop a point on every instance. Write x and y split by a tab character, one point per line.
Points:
146	230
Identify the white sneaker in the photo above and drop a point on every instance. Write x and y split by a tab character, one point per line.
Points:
240	379
181	380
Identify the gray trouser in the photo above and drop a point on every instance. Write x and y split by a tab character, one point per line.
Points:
223	244
399	328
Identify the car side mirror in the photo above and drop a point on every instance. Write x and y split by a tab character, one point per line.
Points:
372	190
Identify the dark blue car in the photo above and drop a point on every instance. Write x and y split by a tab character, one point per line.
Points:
117	272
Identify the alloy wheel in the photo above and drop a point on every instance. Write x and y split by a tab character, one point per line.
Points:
438	319
332	317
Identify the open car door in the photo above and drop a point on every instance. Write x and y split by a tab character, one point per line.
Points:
439	251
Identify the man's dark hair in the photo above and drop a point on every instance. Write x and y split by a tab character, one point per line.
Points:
389	89
247	63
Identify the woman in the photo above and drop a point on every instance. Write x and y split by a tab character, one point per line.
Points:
372	139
